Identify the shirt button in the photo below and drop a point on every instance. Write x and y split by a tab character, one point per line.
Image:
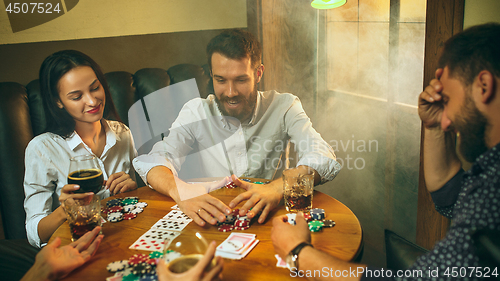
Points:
241	133
239	153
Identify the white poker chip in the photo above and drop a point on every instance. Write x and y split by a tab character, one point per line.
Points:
137	210
115	217
117	266
168	257
128	208
141	204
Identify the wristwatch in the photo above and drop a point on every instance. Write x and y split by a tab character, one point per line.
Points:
292	259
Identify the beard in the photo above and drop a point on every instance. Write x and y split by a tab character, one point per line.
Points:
472	125
248	105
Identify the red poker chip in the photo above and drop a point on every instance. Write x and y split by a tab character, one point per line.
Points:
115	209
138	258
151	261
225	228
242	223
307	217
129	216
241	227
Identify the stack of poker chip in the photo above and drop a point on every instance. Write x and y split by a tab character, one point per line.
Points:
139	266
316	220
234	222
127	208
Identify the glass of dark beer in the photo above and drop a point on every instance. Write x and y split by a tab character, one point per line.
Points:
298	189
84	171
83	215
183	252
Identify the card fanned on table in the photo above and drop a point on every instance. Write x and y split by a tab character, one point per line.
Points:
170	226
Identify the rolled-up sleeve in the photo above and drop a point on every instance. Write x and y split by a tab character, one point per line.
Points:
313	151
40	183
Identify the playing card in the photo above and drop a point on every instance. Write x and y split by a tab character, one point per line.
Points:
280	263
177	215
153	240
175	207
172	225
237	256
236	243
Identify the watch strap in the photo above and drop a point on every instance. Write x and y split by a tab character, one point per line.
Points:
294	253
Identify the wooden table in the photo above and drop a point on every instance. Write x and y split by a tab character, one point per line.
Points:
342	241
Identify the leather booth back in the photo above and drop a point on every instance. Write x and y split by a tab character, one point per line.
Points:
22	117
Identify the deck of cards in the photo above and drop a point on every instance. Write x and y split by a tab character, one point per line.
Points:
236	246
170	226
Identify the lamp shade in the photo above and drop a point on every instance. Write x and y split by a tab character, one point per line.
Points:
327	4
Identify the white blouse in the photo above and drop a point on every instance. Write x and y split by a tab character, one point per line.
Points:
47	160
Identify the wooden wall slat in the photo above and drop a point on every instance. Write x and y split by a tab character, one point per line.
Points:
444	19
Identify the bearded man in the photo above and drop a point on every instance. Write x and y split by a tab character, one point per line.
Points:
462	102
238	131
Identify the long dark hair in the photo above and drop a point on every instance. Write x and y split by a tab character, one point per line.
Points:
53	68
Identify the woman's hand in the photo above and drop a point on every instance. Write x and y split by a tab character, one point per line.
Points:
120	182
68	191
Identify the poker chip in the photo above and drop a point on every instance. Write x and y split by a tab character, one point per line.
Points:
329	223
231	185
247	180
132	197
117	266
129	216
128	208
317	214
114	202
241	227
241	223
149	277
130	277
225	228
155	255
137	258
137	210
307	217
115	217
141	268
230	219
151	262
258	182
115	209
170	256
141	204
129	201
315	225
244	218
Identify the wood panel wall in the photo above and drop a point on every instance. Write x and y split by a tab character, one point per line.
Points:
444	19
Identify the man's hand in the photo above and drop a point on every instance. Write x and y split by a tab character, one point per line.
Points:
197	272
430	105
68	191
53	263
260	198
285	236
204	208
120	182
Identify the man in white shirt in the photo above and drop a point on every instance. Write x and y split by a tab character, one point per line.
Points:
238	131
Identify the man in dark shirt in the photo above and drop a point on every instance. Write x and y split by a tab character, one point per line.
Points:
462	103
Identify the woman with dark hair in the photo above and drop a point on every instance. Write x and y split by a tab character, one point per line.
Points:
77	101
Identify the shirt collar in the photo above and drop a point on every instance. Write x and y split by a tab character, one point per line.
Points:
75	140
